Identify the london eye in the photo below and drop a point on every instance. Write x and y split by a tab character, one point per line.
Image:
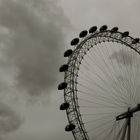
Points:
102	85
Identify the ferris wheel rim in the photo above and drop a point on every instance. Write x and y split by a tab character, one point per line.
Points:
70	92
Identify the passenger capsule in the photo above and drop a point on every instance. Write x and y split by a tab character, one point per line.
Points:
70	127
75	41
62	86
103	28
83	34
67	53
136	40
64	106
63	68
125	34
93	29
114	29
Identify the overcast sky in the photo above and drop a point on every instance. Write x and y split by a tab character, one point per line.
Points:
33	37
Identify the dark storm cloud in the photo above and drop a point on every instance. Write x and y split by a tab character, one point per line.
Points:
33	42
9	120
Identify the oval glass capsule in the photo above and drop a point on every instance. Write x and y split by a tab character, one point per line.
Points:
69	127
136	40
67	53
103	28
75	41
92	29
83	33
63	68
64	106
125	34
114	29
62	86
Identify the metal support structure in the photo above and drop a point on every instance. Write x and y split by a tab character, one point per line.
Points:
124	132
129	129
127	115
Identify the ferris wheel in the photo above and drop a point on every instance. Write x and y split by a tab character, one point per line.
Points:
102	85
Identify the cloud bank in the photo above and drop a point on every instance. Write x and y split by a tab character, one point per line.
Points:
31	41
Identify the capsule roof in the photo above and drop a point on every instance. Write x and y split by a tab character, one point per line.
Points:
75	41
83	33
92	29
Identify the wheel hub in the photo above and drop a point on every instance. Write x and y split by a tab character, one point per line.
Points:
129	113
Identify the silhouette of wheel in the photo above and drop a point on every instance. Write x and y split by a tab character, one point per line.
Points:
101	85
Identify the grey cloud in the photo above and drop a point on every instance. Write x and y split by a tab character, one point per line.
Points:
9	120
33	43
